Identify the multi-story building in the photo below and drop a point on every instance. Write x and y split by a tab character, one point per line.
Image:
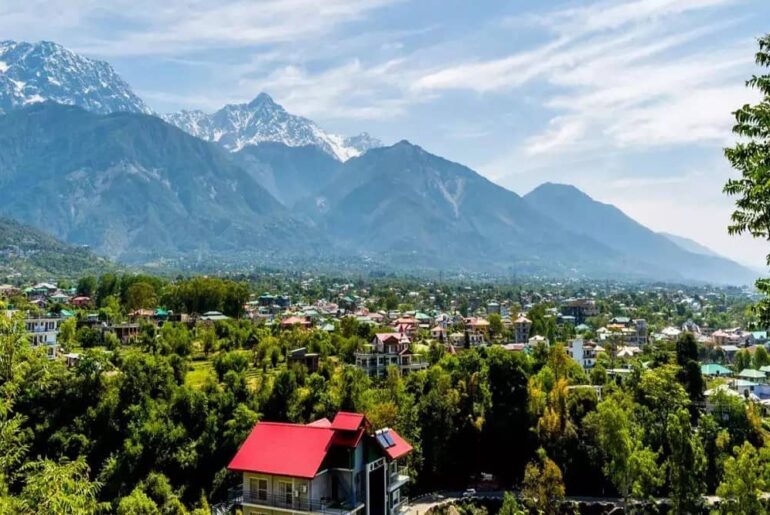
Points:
386	350
642	331
521	329
340	467
476	331
43	332
580	309
584	352
631	332
126	333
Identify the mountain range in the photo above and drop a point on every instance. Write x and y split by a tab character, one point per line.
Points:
689	245
608	225
132	186
254	184
237	126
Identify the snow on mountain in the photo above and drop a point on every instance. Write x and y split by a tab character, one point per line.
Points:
237	125
45	71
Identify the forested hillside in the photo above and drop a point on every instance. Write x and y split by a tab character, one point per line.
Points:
29	253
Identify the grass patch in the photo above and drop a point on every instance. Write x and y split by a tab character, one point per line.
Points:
199	372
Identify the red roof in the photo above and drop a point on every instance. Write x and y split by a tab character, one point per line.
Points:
294	320
283	449
384	337
345	421
400	447
348	439
297	450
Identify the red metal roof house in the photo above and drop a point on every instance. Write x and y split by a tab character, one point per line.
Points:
340	467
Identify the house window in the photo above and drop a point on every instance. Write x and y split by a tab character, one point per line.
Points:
286	492
258	488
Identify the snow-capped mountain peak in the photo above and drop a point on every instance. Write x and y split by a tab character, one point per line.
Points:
46	71
236	125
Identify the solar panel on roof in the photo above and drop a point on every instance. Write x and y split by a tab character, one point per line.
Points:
388	438
381	440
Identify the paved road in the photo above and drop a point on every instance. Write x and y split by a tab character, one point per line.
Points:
423	503
420	505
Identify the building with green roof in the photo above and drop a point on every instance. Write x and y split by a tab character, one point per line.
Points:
715	370
752	374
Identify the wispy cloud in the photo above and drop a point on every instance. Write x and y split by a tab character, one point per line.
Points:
145	27
627	73
352	90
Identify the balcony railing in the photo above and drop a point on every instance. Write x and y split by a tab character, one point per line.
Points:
400	505
396	481
238	495
385	360
396	470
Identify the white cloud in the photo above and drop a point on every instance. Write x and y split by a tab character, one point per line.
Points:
561	131
349	91
612	14
147	27
633	73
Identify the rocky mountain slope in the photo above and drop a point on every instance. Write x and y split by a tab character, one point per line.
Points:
38	72
607	224
133	187
81	158
405	205
237	125
289	173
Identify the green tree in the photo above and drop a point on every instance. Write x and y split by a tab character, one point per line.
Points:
13	442
141	295
111	309
630	466
543	484
690	374
686	464
16	354
68	331
282	396
391	301
761	357
496	325
750	156
108	286
510	505
59	488
506	425
742	359
87	286
744	481
137	503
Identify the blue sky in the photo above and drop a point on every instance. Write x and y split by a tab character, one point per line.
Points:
629	100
